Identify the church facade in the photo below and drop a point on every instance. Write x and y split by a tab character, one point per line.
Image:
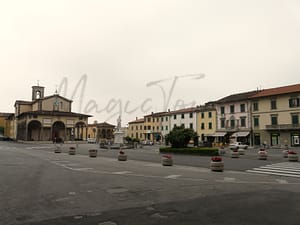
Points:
48	118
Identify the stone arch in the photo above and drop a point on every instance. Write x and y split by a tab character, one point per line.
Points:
80	130
34	130
58	131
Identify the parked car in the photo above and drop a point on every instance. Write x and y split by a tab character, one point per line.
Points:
238	145
91	140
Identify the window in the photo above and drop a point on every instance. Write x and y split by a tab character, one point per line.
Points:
274	139
182	125
162	128
149	127
256	121
145	128
232	123
132	128
273	104
157	128
202	126
243	121
210	125
141	127
274	120
166	127
153	119
174	117
136	127
294	102
153	128
157	120
162	119
166	118
202	115
242	106
222	123
209	115
255	106
191	126
182	116
191	115
295	119
232	109
222	110
149	119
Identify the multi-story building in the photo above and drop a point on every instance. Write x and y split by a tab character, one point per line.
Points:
165	124
234	118
186	118
275	116
153	126
206	123
136	129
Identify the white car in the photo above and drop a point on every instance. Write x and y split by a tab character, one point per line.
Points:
91	140
238	145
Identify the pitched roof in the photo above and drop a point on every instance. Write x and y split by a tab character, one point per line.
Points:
156	114
278	91
137	121
185	110
236	97
53	113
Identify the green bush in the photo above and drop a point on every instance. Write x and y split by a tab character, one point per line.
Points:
191	151
179	137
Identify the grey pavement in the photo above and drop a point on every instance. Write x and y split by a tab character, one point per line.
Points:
38	186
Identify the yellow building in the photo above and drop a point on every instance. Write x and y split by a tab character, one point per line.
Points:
48	119
136	129
153	126
275	116
5	124
206	123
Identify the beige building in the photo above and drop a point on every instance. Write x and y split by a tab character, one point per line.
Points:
136	129
275	116
101	132
48	119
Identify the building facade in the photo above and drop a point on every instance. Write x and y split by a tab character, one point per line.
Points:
206	123
48	119
275	116
234	118
136	129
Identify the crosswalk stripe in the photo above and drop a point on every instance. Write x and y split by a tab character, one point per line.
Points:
288	169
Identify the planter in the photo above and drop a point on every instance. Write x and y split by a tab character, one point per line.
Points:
293	157
235	154
167	160
216	164
241	151
72	151
57	149
122	157
262	154
93	153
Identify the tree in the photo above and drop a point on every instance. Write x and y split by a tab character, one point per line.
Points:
179	137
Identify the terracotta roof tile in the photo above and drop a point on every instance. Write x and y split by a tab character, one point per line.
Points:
278	91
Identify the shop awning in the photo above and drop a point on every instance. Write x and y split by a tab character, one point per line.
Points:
219	134
240	134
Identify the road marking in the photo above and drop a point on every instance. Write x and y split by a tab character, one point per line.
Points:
173	176
287	169
81	169
282	181
122	172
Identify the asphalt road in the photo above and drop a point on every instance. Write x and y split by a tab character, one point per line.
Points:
39	187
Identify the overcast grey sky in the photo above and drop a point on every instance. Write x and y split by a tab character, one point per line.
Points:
120	46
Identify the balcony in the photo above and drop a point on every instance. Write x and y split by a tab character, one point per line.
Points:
283	127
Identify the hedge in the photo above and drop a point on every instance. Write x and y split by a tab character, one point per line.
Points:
191	151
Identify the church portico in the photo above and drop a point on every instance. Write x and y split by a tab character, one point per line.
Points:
49	119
